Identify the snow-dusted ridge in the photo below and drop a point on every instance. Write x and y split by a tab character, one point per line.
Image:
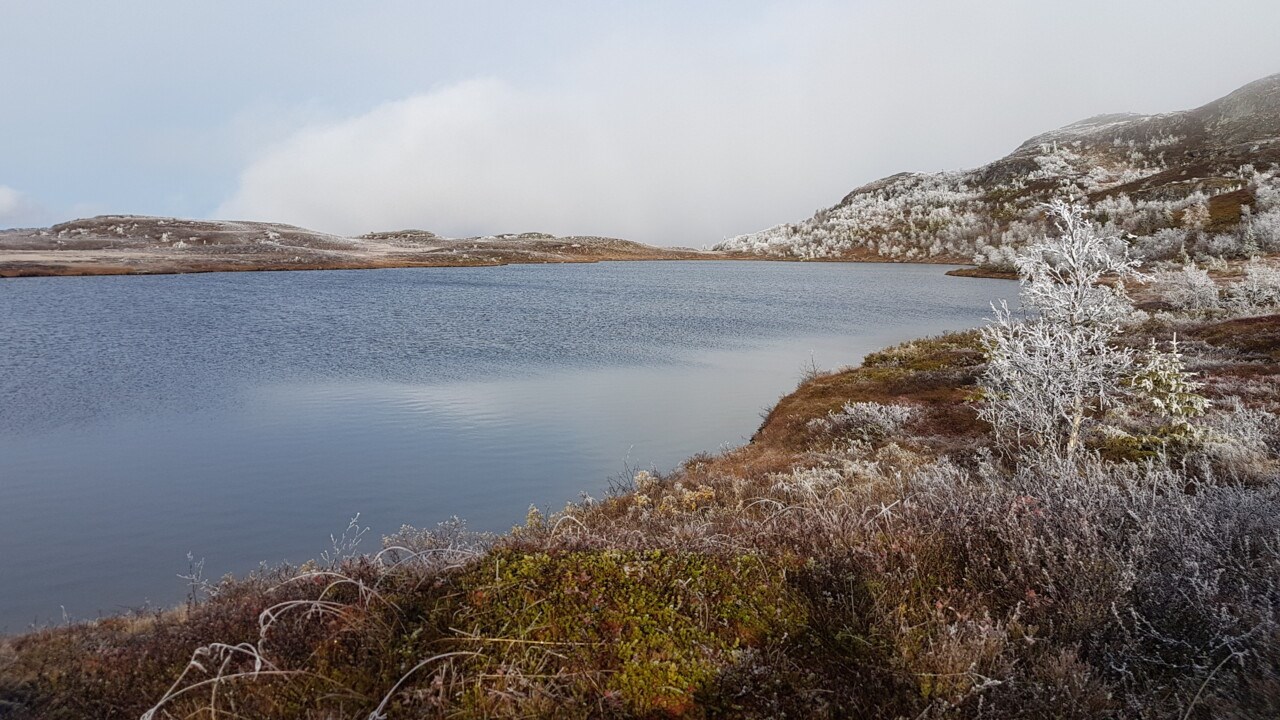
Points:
1202	182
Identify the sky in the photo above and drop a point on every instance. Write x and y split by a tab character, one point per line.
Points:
667	122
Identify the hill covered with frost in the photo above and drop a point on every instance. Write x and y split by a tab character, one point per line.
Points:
1196	183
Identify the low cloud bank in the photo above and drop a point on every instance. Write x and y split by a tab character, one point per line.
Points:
681	139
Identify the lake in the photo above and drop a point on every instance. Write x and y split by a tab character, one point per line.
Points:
245	417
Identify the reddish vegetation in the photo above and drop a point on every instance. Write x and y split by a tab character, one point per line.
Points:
1257	338
936	375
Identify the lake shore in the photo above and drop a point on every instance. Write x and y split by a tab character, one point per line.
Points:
84	263
20	264
135	245
536	381
829	563
154	261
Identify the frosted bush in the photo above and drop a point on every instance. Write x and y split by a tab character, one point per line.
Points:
1266	191
1119	558
1263	230
1263	282
1259	288
867	421
1215	264
1164	244
1189	289
1225	245
1053	162
995	257
1252	428
1196	214
808	482
1240	441
450	543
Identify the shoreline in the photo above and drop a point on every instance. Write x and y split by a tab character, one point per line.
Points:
12	267
750	558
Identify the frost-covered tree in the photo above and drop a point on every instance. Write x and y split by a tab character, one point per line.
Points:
1196	215
1168	390
1262	230
1046	373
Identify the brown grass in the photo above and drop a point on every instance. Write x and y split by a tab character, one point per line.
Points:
1256	337
1224	209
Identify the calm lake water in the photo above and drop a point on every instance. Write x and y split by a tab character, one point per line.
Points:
245	417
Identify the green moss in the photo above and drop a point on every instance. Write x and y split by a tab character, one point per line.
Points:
648	629
953	350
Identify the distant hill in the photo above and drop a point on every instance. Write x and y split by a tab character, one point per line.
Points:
1205	182
131	244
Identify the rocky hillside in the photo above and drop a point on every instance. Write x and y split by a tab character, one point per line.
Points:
128	244
1203	182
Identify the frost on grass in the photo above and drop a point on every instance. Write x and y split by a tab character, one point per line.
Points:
866	421
448	544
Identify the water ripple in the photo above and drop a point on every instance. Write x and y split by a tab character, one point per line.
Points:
247	416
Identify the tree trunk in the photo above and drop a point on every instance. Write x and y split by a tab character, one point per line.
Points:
1073	436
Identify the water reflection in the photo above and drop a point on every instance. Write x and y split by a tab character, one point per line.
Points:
244	417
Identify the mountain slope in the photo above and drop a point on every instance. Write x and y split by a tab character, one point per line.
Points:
1204	182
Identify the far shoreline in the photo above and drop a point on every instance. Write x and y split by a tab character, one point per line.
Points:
12	267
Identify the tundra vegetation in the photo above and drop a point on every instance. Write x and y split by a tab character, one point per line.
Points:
1074	512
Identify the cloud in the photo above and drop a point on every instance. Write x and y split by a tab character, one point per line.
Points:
17	210
677	137
9	199
484	156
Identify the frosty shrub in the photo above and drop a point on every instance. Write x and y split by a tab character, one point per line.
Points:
1196	215
1046	373
1189	289
1263	230
449	544
1240	442
867	421
1164	244
1259	288
1144	586
996	257
1228	245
